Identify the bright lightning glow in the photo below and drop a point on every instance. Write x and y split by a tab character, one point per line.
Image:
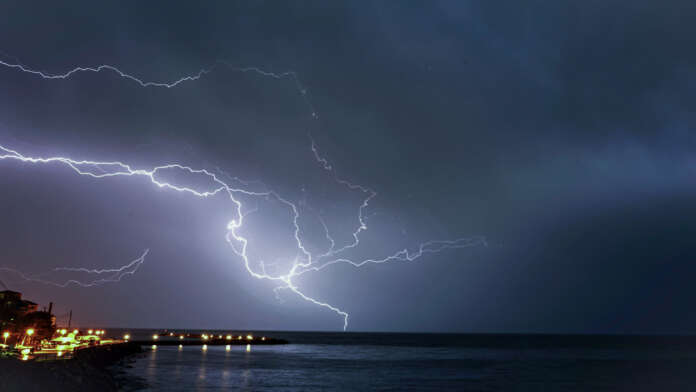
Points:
305	262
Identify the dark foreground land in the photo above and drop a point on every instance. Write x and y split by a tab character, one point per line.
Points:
87	371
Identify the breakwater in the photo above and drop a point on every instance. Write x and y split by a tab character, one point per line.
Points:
209	342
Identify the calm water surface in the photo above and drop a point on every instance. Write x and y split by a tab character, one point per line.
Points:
424	362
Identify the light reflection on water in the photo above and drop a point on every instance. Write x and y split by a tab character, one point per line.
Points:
316	367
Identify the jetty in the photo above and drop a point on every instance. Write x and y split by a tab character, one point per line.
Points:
173	338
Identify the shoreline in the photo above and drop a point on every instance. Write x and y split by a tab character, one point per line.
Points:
91	369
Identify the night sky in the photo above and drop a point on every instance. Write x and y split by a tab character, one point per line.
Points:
560	131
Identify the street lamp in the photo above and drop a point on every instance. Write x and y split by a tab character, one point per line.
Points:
6	335
29	332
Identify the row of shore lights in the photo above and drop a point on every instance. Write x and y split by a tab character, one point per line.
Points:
204	337
89	332
30	332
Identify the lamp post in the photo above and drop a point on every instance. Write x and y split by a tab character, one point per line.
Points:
30	332
5	335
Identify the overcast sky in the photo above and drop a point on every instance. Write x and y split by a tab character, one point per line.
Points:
560	131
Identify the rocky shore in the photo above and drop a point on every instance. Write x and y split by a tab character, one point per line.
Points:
87	371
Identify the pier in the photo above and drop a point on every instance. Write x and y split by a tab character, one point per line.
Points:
190	339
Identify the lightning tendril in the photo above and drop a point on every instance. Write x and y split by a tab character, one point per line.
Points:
232	188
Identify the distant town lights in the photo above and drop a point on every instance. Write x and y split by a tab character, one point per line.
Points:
155	337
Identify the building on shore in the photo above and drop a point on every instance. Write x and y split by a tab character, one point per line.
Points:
18	315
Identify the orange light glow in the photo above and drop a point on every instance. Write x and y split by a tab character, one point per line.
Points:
6	335
30	331
229	337
126	336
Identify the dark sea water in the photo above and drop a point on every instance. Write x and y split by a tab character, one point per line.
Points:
423	362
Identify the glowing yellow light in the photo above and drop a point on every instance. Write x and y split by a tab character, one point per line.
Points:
249	337
205	337
171	333
62	331
25	358
155	337
30	331
263	338
154	346
181	337
219	336
227	348
248	349
181	346
240	337
229	337
6	335
205	347
60	353
26	351
75	331
91	331
126	336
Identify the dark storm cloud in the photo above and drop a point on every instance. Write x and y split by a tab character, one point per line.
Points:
561	131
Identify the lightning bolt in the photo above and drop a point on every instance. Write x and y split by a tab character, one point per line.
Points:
112	275
305	262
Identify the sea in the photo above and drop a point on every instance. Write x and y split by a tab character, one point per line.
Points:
346	361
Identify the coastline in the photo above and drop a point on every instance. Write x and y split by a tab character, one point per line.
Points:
90	370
